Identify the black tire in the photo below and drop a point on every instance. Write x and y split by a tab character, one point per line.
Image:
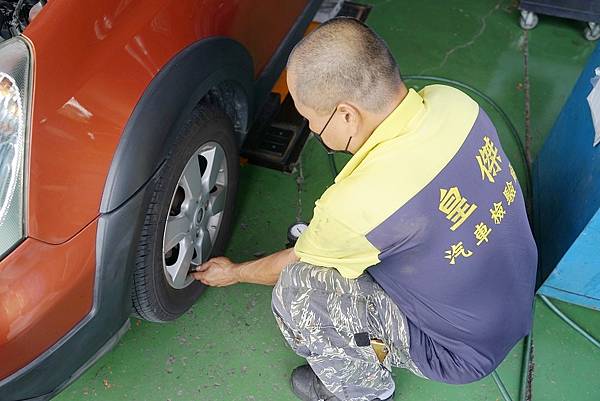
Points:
154	299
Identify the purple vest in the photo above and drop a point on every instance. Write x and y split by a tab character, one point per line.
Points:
460	261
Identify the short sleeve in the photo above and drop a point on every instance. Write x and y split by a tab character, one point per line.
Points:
329	242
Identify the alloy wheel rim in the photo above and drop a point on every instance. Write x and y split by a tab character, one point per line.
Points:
195	214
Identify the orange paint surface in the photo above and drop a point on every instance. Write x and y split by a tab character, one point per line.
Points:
45	290
92	63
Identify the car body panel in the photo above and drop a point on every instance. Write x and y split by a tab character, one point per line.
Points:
44	291
91	72
217	68
93	62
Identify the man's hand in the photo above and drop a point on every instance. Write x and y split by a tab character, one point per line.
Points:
218	272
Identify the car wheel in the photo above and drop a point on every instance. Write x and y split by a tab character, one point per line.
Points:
188	215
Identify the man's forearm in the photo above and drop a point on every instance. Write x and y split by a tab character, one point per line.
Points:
266	270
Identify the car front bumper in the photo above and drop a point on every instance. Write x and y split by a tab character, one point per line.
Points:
41	284
45	290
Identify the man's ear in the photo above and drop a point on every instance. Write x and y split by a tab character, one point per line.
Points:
349	112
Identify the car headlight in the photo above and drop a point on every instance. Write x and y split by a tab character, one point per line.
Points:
15	87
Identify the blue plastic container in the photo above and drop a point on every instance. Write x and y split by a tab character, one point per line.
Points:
566	180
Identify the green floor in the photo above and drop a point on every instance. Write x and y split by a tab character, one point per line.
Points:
228	348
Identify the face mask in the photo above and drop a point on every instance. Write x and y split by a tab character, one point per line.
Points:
327	148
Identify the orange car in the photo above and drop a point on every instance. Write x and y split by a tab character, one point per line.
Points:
120	127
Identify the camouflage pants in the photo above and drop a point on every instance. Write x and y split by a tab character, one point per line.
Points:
319	312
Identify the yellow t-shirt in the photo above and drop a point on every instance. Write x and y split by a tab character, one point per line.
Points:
363	195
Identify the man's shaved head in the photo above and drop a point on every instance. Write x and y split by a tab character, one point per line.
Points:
344	61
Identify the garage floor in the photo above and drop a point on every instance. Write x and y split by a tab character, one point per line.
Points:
228	348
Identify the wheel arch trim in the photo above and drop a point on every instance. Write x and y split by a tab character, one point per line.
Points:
168	102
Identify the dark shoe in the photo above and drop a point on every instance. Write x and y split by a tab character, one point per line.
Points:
307	386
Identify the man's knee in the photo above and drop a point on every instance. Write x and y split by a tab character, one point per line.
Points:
280	306
294	274
289	283
296	291
303	277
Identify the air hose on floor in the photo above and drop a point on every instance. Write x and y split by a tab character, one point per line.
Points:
527	369
568	321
